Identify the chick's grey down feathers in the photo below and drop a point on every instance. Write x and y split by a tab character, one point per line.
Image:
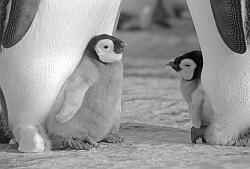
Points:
196	56
98	116
192	92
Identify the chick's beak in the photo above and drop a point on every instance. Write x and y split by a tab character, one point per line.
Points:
121	48
171	63
174	66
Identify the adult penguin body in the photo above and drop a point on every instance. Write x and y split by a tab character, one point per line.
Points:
223	30
42	43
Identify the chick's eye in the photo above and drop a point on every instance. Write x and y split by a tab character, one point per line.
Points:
105	47
188	65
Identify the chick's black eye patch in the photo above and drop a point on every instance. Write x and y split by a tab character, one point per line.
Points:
105	47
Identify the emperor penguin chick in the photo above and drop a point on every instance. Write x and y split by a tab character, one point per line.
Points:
88	106
189	66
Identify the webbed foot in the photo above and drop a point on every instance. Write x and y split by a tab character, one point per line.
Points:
113	138
78	144
197	133
84	142
242	140
29	139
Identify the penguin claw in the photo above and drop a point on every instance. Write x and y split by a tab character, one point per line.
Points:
90	140
78	144
113	138
242	140
197	133
84	142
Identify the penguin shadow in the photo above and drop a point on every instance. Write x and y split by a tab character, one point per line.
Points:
7	148
154	135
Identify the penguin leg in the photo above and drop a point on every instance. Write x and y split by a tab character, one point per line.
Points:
5	132
74	93
196	107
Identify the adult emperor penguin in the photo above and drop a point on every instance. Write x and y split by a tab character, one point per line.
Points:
223	30
42	43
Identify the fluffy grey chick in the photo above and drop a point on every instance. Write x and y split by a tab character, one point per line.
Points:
88	106
189	66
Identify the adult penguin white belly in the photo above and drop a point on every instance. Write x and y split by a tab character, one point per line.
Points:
42	44
223	31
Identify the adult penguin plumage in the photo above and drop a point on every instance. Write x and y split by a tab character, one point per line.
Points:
42	43
222	27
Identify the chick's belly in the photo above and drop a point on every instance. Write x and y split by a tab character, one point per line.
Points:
97	120
93	119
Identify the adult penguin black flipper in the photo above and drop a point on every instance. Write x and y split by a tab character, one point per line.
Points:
3	16
229	22
21	17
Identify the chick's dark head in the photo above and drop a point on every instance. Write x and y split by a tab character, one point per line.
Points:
105	45
195	56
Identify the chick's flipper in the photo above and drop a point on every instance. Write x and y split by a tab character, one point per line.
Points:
73	98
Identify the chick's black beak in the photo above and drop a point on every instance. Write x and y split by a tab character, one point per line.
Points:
173	65
170	64
120	48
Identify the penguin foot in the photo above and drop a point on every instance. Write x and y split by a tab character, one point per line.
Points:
242	140
78	144
84	142
58	142
197	133
29	139
218	134
113	138
90	140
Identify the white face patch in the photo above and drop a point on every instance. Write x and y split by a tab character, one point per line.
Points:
105	50
187	68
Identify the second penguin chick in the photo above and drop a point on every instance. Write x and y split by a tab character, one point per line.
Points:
189	66
88	106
